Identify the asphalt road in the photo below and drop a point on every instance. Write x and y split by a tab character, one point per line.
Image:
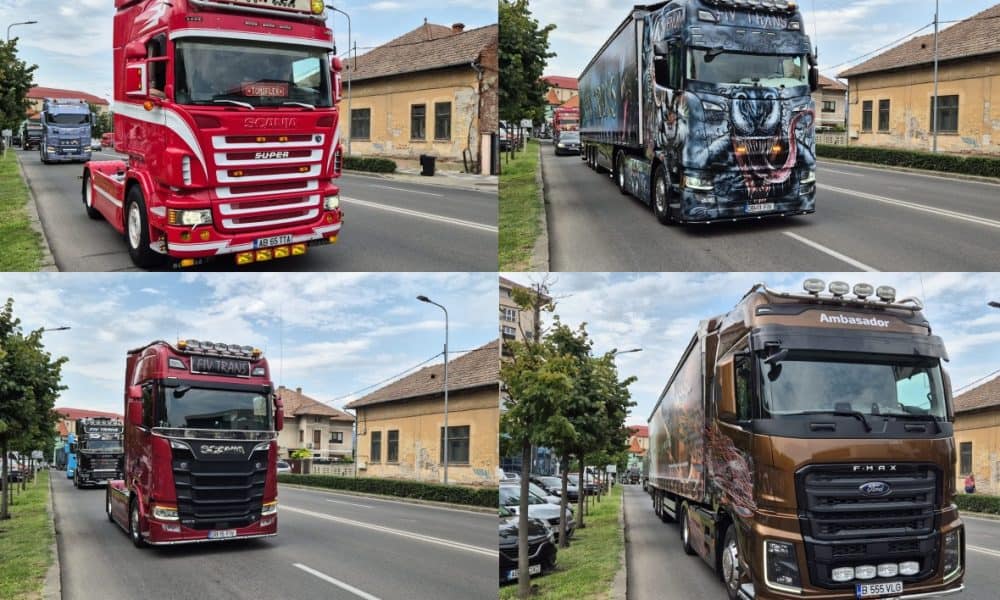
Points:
328	545
388	226
866	219
656	561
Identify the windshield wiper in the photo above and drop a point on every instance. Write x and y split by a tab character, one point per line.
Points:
302	104
237	103
840	413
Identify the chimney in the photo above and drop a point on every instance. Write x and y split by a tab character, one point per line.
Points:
458	27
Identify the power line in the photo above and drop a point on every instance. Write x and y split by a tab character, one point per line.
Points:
387	379
984	377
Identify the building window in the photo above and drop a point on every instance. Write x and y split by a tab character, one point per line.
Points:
361	123
418	122
317	438
392	446
336	437
509	314
376	452
509	332
883	115
458	445
947	120
829	106
866	115
965	451
442	120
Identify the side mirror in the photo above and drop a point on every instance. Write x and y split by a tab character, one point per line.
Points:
336	66
135	51
279	414
135	392
946	383
813	79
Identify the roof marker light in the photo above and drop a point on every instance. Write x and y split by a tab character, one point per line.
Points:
814	286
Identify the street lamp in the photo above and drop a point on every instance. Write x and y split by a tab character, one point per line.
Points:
617	352
21	23
994	304
429	301
62	328
349	69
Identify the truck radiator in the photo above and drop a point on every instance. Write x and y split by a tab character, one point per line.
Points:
219	494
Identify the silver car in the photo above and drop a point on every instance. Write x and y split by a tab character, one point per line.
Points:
538	508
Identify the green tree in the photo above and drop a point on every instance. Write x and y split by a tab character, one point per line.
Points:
16	79
524	52
103	121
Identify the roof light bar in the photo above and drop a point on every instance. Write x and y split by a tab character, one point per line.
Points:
220	348
814	286
863	290
886	293
839	289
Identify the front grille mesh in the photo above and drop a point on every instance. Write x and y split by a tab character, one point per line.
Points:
219	494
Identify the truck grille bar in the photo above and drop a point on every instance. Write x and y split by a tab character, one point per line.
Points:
219	494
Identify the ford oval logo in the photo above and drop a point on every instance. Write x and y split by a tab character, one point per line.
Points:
874	488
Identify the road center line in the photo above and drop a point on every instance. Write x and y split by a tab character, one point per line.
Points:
914	206
980	549
493	553
336	582
830	251
351	503
408	191
421	215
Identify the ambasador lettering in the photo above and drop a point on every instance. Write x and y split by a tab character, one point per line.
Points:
845	320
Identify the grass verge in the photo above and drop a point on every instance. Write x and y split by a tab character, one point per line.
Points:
519	208
22	244
25	539
587	568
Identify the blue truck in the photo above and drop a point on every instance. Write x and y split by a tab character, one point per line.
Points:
66	126
69	448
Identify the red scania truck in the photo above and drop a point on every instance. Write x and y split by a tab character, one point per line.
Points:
227	111
200	445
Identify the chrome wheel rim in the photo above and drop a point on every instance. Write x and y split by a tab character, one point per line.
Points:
661	195
621	173
684	528
134	225
89	194
731	565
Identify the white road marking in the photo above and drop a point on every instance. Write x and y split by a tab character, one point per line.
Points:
826	170
493	553
421	215
980	549
406	190
832	252
918	207
892	171
336	582
351	503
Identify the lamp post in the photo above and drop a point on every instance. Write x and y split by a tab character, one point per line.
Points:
934	104
994	304
21	23
429	301
349	69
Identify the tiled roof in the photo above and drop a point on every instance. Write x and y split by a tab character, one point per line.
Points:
566	83
640	430
296	403
974	36
552	98
75	414
986	395
478	368
635	448
40	93
573	102
831	84
425	48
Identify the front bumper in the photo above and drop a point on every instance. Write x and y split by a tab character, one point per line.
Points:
161	533
67	155
712	207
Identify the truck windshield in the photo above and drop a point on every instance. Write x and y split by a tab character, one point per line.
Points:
200	408
102	445
809	381
713	66
210	72
66	119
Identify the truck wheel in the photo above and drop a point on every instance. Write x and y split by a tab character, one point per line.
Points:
620	173
685	530
134	531
107	503
88	197
730	563
661	196
137	230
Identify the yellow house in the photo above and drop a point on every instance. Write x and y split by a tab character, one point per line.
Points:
977	436
400	427
431	91
890	95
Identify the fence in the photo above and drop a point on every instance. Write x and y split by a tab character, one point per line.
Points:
832	139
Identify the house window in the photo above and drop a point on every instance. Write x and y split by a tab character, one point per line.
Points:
361	123
336	437
509	332
458	445
317	438
965	451
509	314
947	120
418	122
442	120
866	115
829	106
376	452
392	449
883	115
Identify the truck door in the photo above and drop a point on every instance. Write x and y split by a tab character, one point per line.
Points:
732	450
668	72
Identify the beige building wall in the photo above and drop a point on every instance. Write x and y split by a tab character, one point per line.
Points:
839	100
514	320
419	423
975	81
983	430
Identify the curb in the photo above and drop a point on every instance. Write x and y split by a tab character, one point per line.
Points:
619	589
487	187
48	260
463	507
539	262
53	581
940	174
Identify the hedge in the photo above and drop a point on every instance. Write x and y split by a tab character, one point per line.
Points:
370	164
455	494
978	503
949	163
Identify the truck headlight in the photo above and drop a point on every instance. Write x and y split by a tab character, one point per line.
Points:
269	508
809	176
697	182
164	513
781	566
952	552
331	202
189	217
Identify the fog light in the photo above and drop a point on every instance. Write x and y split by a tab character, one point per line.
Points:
281	252
244	258
267	522
171	528
888	570
332	202
263	254
185	236
332	239
269	508
865	572
298	249
164	513
910	567
841	574
187	262
205	234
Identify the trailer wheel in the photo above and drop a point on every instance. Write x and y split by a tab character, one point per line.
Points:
730	563
134	531
661	196
620	173
137	230
88	197
685	530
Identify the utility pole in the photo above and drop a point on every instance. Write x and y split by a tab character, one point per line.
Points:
934	101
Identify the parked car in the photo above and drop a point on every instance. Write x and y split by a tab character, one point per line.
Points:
504	136
554	486
542	549
510	477
284	467
590	486
543	493
568	142
95	144
538	508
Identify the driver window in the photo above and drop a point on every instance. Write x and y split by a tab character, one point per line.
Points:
741	373
669	69
156	55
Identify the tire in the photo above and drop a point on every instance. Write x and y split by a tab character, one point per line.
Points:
134	530
620	173
685	530
729	563
88	197
137	231
660	200
107	503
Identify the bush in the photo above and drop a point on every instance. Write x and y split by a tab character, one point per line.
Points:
370	164
978	503
488	496
983	166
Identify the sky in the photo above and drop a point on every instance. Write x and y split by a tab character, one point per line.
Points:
842	29
331	334
71	44
659	312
